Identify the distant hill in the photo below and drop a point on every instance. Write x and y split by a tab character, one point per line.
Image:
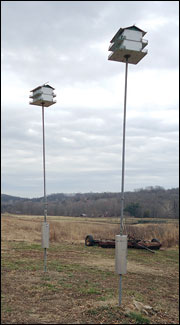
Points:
52	197
11	198
150	202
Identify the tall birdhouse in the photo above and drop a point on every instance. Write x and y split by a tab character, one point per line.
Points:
43	95
128	42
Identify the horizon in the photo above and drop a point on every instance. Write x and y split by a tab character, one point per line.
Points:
148	188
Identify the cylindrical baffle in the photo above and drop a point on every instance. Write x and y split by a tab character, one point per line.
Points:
45	235
121	254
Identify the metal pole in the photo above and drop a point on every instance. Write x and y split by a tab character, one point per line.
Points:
120	289
123	148
123	165
45	198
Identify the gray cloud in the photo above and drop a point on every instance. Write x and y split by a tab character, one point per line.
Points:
66	43
63	38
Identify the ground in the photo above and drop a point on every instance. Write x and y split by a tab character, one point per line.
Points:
81	287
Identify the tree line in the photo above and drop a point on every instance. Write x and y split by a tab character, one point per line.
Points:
151	202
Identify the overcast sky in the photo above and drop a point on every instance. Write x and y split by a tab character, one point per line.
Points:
66	44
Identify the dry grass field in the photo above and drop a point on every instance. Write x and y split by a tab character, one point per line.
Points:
80	285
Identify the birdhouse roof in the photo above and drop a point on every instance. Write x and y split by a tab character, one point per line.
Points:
44	85
121	30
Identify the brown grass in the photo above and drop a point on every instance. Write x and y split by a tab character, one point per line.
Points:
19	229
75	230
80	286
167	234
